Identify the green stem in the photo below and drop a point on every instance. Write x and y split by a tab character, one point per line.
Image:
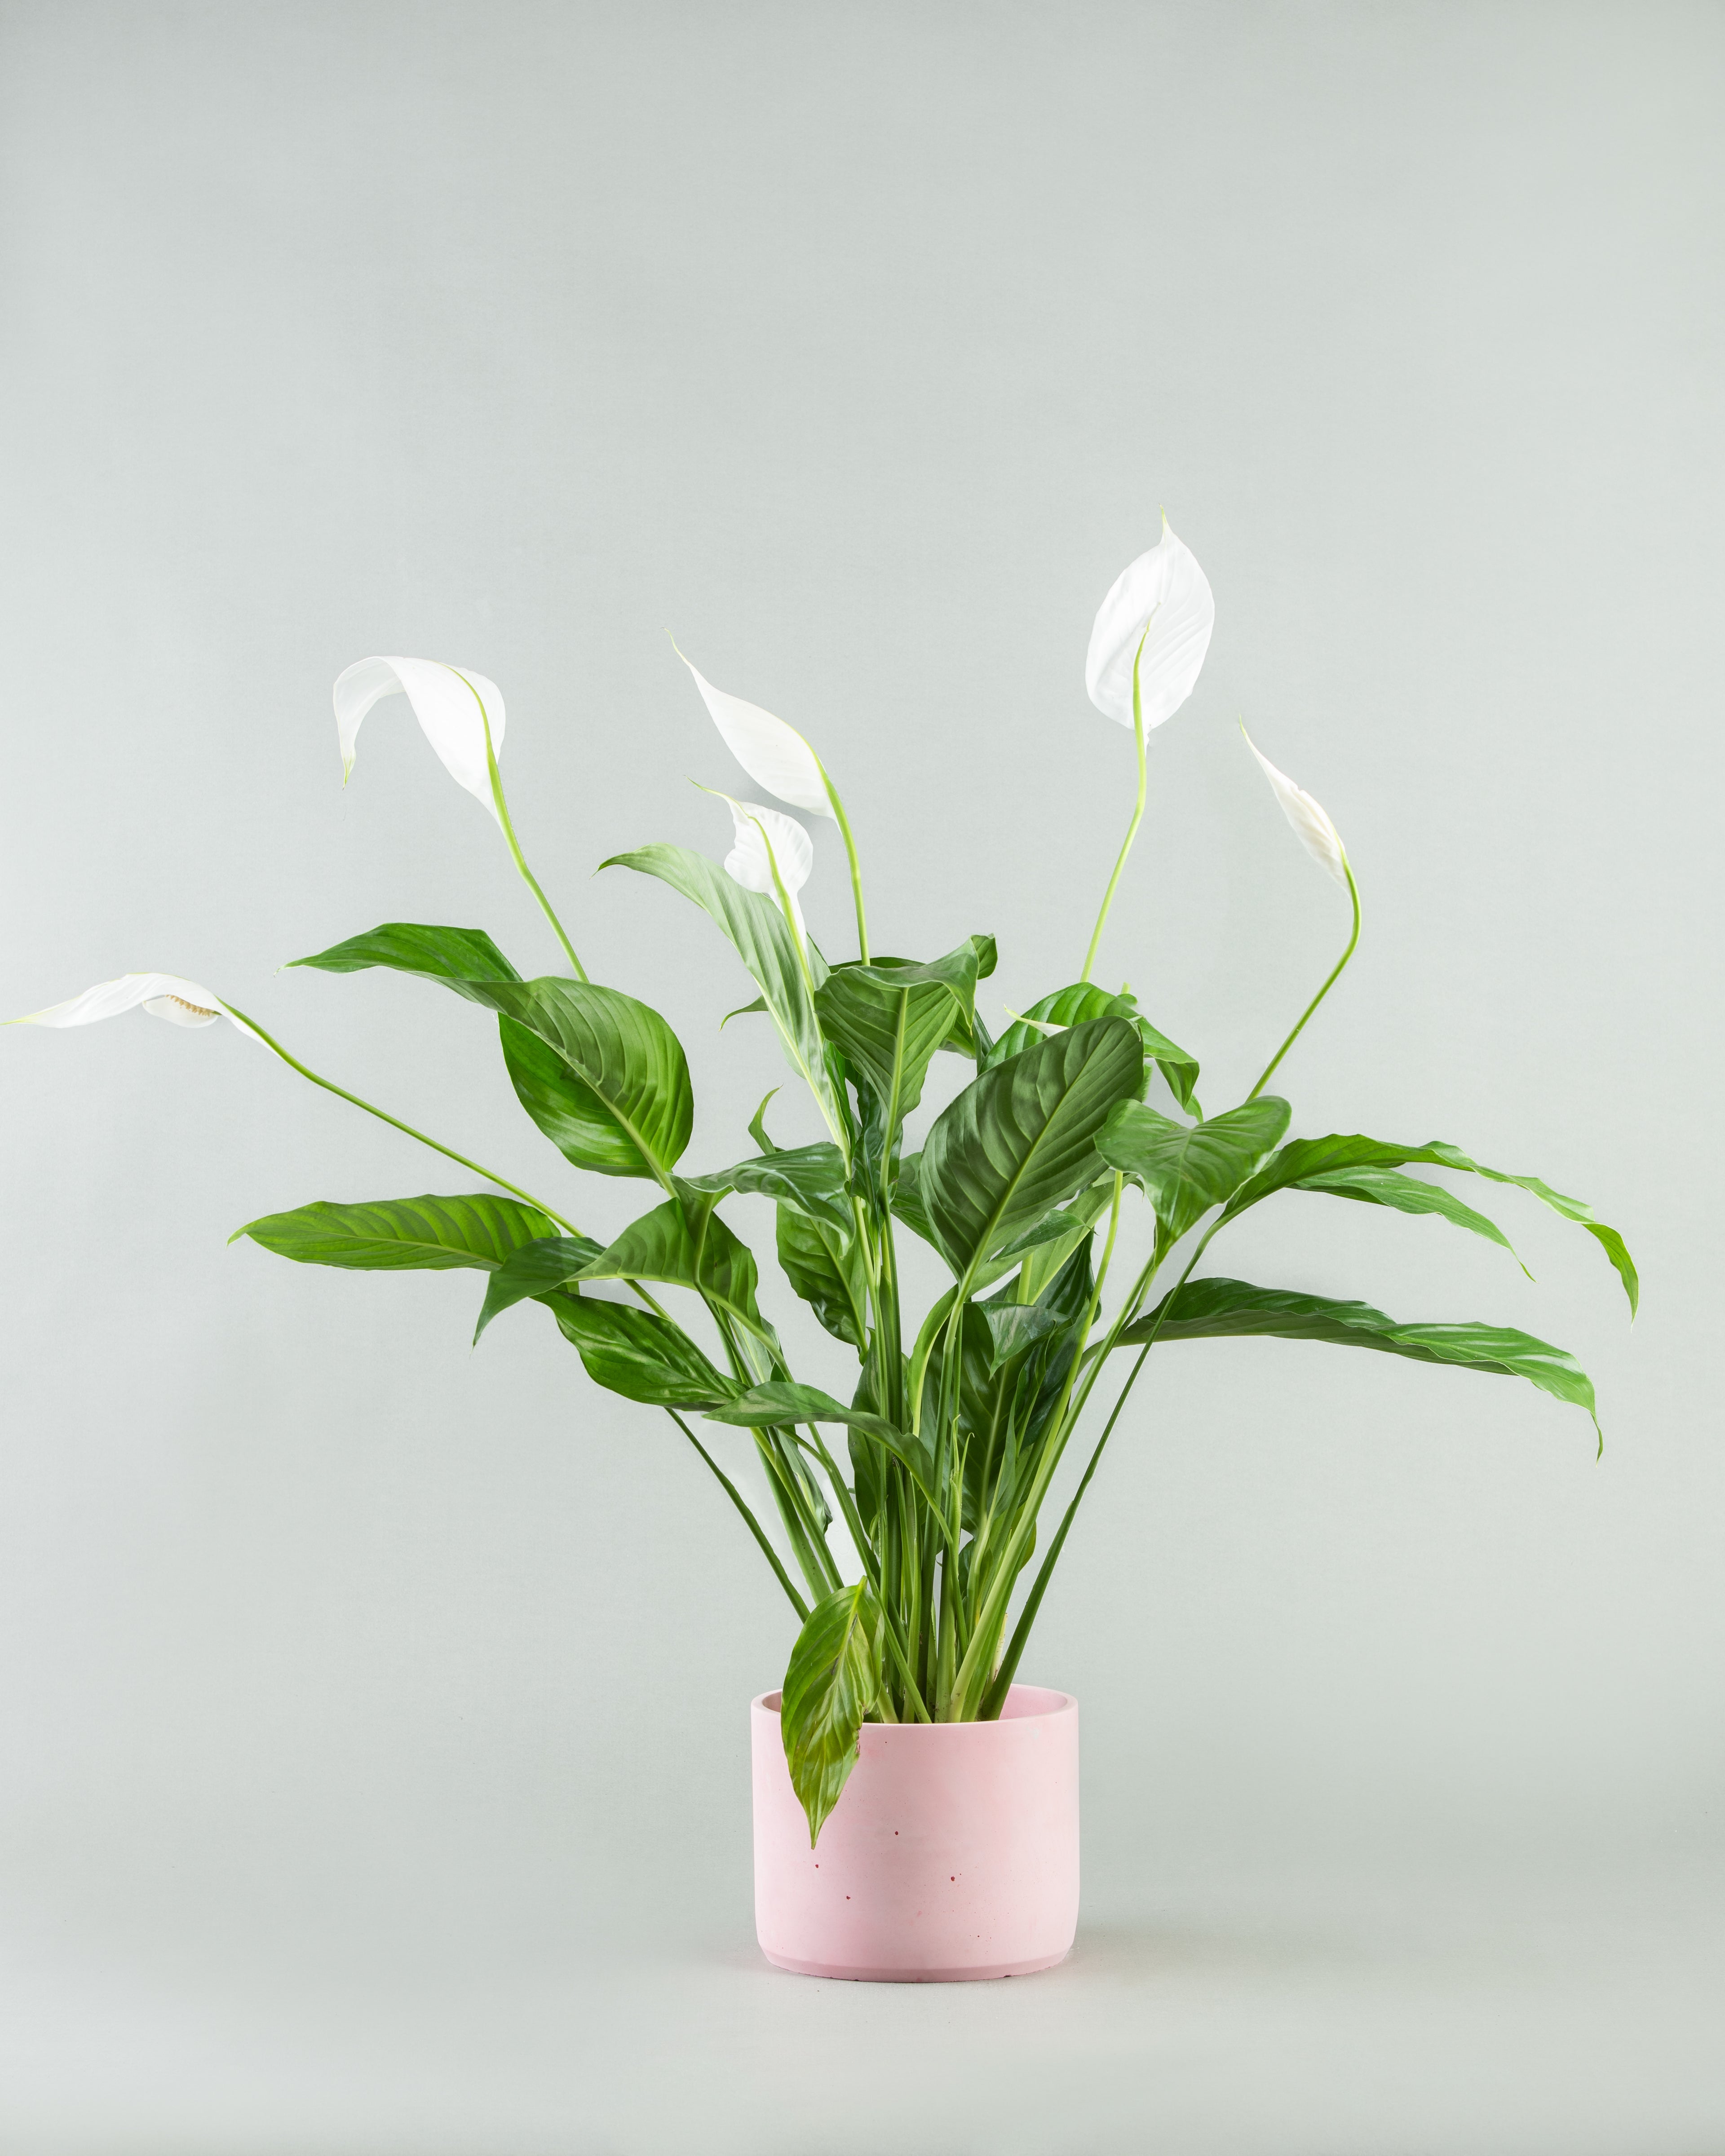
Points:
1335	976
754	1526
1131	828
528	875
395	1122
856	889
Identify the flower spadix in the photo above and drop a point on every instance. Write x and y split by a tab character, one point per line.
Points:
1311	826
158	995
453	705
1164	600
774	755
766	840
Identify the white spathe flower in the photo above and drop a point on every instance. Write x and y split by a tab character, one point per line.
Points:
160	995
1166	590
774	755
453	705
750	862
1311	826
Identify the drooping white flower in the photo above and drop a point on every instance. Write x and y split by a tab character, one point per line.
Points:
160	995
1311	826
766	840
453	705
1166	592
774	755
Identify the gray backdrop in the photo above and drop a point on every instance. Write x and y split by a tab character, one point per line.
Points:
373	1710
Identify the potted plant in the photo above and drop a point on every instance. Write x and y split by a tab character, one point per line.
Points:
916	1807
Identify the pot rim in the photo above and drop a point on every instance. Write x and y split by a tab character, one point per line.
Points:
1050	1704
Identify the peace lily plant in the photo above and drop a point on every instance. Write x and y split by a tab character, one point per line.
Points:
936	1456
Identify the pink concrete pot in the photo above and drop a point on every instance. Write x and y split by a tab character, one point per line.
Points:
952	1854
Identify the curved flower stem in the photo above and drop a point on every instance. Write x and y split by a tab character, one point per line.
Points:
504	819
856	889
395	1122
1131	828
1335	976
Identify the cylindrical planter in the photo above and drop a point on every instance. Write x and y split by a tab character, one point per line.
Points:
952	1854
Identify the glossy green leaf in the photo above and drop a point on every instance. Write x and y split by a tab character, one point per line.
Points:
534	1270
456	956
762	938
603	1076
635	1352
1021	1139
777	1403
828	1272
1406	1193
811	1178
1229	1309
1307	1157
889	1017
685	1246
907	1199
1184	1171
1083	1000
831	1684
397	1234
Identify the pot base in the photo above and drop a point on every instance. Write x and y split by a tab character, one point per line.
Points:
979	1975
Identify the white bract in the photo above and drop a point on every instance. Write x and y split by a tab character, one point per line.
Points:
774	755
453	705
1311	826
766	840
160	995
1166	592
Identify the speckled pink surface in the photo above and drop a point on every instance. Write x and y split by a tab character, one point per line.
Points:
952	1854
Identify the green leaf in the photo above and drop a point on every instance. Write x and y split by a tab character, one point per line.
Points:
889	1017
1083	1000
603	1076
758	1125
534	1270
762	939
1021	1139
635	1352
833	1681
778	1403
456	956
1307	1157
1049	1253
685	1245
828	1272
399	1234
1407	1193
1229	1309
1185	1171
907	1199
811	1178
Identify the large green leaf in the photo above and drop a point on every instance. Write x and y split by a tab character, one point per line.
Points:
1308	1158
833	1681
1021	1139
533	1271
456	956
398	1234
1083	1000
642	1356
1406	1193
685	1245
762	939
1229	1310
1183	1170
890	1017
603	1076
827	1271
